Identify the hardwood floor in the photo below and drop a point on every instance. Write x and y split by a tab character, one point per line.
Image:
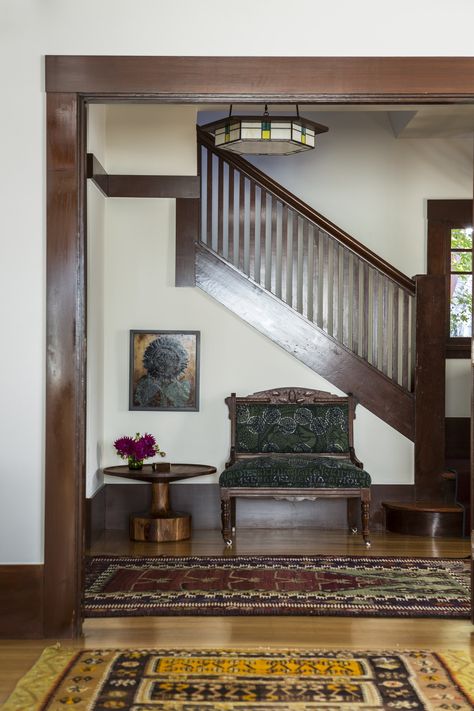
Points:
19	656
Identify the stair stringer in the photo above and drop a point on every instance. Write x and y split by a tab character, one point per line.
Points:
305	341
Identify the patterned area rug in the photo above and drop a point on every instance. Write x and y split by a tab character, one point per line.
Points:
277	585
244	680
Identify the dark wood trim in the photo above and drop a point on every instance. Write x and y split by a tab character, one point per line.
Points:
457	437
429	387
388	80
141	186
65	365
444	215
21	601
153	186
294	202
96	172
95	515
306	341
187	234
322	80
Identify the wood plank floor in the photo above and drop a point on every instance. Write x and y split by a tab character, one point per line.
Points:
18	656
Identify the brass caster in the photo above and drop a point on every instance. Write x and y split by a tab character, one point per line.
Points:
354	530
368	544
228	542
233	529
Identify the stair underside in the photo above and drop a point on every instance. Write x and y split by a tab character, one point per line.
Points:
305	341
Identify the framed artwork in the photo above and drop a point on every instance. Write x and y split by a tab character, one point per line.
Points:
164	370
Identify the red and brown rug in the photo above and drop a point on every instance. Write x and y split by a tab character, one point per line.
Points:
246	680
277	585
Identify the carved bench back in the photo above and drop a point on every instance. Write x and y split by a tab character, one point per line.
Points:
291	421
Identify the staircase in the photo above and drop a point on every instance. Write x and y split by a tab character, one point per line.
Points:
307	285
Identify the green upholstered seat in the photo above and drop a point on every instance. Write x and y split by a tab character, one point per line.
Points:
294	472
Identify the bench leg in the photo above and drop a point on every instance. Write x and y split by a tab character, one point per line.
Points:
365	511
352	507
233	501
226	521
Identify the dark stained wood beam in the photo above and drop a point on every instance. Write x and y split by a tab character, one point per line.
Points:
97	173
154	186
430	377
142	186
391	80
65	365
187	234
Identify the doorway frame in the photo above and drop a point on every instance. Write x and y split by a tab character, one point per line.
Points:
71	83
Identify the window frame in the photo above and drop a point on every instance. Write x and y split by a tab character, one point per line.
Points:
444	216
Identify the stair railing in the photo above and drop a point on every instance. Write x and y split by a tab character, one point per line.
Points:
312	265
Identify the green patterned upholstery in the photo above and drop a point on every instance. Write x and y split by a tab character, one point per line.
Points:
292	429
294	472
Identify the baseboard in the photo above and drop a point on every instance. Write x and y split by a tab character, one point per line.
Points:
21	601
114	503
95	515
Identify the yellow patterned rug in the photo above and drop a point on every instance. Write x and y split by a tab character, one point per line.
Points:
245	680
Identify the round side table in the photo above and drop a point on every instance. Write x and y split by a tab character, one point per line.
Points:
161	523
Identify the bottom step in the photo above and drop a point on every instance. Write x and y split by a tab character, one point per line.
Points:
420	518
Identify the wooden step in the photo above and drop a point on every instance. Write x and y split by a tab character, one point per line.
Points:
424	518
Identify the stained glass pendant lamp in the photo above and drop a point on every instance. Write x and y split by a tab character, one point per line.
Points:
264	135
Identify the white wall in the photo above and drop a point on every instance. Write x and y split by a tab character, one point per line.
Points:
29	29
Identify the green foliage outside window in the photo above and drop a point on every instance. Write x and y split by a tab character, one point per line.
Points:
461	284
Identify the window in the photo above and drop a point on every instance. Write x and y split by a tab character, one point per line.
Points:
450	254
460	297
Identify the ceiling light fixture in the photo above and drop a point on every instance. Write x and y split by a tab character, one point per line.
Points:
264	135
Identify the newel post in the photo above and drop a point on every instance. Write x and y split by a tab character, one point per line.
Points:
430	383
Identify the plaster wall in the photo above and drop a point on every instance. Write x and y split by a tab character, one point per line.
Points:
29	30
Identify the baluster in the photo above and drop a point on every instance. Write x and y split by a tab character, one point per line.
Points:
294	278
310	274
273	245
241	223
263	237
230	218
325	280
336	300
405	335
278	258
210	198
375	318
412	343
346	306
289	259
258	234
355	304
252	242
385	325
316	278
365	312
284	253
395	327
204	196
304	268
220	206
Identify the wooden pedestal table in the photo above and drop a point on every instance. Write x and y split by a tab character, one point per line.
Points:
161	523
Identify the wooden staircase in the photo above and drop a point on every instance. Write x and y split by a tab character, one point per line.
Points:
325	298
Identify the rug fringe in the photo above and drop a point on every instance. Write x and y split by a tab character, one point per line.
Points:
34	687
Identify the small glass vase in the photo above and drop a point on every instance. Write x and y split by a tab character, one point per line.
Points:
135	464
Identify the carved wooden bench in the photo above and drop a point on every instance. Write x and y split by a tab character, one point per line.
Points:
291	443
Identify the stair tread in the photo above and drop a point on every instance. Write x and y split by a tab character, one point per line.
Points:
423	506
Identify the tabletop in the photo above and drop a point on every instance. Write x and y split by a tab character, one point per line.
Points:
176	472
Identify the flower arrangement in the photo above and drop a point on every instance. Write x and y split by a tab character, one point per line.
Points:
136	449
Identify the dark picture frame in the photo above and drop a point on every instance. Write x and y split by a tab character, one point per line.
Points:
164	370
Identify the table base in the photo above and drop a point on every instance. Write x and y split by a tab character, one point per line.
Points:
169	526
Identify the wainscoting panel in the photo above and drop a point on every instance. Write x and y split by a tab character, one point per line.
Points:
203	503
21	601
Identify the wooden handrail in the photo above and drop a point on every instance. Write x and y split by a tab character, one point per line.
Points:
308	212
